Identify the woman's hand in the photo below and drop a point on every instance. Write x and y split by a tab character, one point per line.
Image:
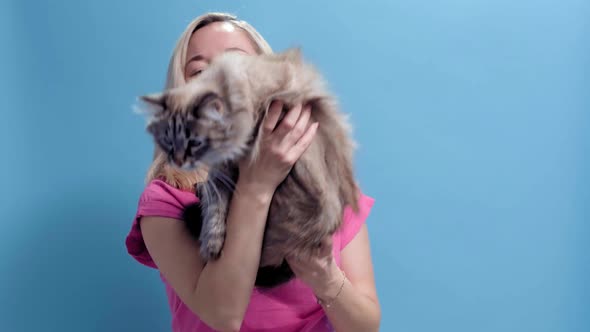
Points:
319	271
282	143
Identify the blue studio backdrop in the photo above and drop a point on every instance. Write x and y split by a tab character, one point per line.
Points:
473	118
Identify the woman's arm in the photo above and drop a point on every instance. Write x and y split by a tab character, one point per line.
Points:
353	305
219	291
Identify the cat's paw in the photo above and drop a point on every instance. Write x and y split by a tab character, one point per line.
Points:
211	250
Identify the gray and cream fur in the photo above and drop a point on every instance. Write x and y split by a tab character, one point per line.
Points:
215	120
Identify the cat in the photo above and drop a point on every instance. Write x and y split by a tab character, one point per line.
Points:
214	121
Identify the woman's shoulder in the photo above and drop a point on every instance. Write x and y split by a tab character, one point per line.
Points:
161	199
158	199
160	190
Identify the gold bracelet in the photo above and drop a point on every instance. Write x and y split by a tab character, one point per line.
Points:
328	304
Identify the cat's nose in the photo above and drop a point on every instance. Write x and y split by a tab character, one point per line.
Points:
178	159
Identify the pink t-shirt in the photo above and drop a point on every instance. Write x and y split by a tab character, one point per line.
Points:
290	307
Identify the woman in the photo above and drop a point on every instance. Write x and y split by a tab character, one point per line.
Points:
333	291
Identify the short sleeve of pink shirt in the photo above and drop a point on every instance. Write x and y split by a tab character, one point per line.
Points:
162	200
157	200
352	222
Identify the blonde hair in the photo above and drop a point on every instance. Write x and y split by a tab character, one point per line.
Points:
160	169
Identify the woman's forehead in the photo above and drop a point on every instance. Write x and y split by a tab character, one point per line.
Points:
217	37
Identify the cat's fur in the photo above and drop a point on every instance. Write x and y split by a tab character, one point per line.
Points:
215	120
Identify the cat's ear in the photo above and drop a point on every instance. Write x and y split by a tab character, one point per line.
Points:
210	104
293	54
155	103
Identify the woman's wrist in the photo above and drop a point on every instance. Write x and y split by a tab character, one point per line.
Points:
332	284
259	192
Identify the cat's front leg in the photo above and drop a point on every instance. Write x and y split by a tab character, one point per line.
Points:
214	203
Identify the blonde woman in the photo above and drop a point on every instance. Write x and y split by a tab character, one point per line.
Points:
333	291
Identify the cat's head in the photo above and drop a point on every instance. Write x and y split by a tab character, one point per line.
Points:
195	126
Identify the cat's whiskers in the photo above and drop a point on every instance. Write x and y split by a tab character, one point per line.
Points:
206	190
211	185
224	179
219	196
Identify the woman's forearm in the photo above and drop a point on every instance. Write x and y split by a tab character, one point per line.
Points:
351	311
227	283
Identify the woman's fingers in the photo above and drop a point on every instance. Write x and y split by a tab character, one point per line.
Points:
272	117
303	143
299	129
288	122
293	133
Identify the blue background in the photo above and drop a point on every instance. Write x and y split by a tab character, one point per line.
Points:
473	119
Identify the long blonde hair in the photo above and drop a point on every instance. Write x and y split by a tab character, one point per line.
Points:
160	169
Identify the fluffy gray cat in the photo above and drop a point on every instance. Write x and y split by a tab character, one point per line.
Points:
215	120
